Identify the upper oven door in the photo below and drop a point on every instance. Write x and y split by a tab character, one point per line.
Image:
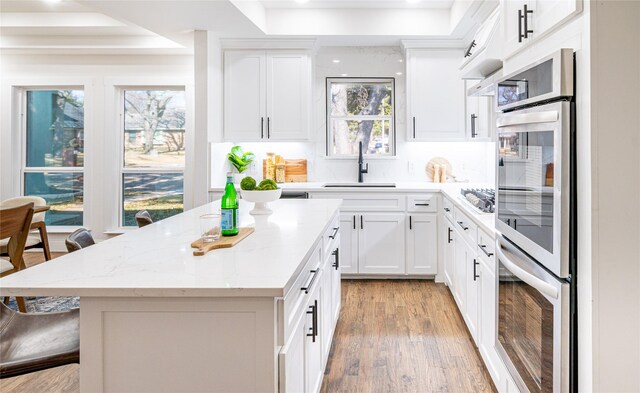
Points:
533	322
549	78
532	190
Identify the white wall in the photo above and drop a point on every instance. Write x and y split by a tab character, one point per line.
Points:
100	76
470	160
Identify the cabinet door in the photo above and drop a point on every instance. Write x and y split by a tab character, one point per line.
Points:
348	243
448	242
460	284
288	96
291	358
244	95
436	95
381	243
512	26
472	282
422	244
488	318
313	364
472	110
336	284
326	314
485	121
547	14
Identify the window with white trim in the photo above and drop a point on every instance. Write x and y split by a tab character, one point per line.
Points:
360	110
153	153
53	159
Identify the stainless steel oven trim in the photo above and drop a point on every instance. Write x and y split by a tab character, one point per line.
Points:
558	261
560	316
562	84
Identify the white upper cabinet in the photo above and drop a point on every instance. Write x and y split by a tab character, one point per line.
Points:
435	95
479	116
524	21
244	95
288	96
267	95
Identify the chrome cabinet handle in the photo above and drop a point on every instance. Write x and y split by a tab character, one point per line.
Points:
449	239
335	232
336	253
308	287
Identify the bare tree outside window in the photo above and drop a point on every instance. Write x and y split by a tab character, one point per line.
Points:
360	110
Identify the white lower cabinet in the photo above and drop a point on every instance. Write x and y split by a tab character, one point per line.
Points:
372	243
448	242
313	359
460	280
335	268
422	244
292	359
488	318
472	309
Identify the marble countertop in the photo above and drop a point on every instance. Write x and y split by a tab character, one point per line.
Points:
449	190
157	261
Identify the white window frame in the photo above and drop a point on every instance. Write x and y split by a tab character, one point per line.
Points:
122	169
389	118
21	92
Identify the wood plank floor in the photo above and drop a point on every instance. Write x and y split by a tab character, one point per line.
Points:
402	336
392	336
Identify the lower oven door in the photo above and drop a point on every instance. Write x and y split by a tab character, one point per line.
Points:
533	322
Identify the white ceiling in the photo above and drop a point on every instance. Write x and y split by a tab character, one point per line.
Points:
144	26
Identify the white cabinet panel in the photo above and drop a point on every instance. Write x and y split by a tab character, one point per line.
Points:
472	302
448	242
435	95
291	358
459	282
380	240
422	244
288	96
348	243
478	116
336	290
313	359
244	95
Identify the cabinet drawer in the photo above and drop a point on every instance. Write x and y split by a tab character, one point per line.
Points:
296	298
330	236
466	227
486	245
427	203
447	208
357	202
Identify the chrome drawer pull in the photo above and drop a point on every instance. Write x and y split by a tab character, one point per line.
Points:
308	287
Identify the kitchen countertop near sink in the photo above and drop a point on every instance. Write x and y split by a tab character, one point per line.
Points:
449	190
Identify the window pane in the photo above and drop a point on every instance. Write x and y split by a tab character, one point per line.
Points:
349	99
348	133
159	193
154	127
63	191
55	128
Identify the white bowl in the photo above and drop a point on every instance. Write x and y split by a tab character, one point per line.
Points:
261	199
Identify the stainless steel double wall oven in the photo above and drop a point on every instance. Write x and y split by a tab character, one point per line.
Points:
535	220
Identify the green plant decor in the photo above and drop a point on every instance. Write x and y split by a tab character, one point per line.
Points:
239	159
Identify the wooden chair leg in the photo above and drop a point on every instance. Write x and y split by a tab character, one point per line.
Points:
22	305
45	241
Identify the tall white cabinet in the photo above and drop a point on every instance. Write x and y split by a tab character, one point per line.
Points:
267	95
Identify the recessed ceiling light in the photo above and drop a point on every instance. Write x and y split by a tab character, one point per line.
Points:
400	60
343	74
398	73
336	61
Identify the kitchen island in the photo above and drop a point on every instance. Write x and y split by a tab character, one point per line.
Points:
257	317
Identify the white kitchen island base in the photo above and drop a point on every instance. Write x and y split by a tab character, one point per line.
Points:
257	317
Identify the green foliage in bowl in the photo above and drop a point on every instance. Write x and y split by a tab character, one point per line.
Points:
248	183
267	184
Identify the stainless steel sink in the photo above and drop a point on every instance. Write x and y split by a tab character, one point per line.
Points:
360	185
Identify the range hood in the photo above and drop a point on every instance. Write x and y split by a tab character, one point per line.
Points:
486	87
483	55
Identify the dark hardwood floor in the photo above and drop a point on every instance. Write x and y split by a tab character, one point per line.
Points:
392	336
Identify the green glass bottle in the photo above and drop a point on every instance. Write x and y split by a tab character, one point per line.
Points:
229	209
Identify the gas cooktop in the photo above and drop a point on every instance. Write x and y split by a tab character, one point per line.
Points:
484	199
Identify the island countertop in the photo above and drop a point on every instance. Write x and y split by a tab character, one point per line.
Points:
157	260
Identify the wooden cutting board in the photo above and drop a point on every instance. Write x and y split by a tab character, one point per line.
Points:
295	170
201	248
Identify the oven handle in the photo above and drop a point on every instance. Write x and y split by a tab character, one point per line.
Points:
525	276
514	119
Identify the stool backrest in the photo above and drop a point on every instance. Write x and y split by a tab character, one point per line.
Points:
143	218
15	223
79	239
